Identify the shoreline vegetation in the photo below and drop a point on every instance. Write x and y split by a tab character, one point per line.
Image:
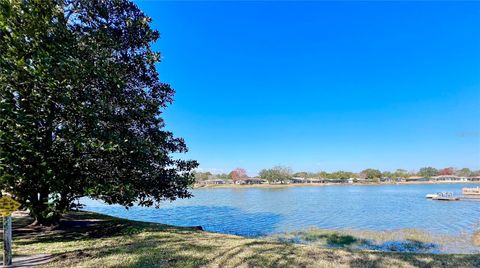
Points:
399	240
86	239
266	185
283	175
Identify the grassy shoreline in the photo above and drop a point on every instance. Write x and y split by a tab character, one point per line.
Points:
240	186
86	239
398	240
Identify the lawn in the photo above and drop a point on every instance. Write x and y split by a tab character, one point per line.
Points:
87	239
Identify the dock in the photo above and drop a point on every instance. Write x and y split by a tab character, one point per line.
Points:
468	194
446	198
471	193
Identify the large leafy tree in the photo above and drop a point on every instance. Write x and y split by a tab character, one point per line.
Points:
276	174
427	172
81	105
401	173
237	174
341	175
446	171
464	172
371	173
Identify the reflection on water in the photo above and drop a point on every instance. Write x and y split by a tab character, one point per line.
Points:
263	211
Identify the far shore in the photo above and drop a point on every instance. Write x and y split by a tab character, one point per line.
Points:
239	186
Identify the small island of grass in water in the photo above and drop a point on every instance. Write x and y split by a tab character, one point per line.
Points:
403	240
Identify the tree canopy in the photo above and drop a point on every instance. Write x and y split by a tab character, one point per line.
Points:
427	172
237	174
81	107
465	172
371	173
276	174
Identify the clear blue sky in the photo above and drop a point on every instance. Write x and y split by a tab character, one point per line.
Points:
322	85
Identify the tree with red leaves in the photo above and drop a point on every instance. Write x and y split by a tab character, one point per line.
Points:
237	174
446	171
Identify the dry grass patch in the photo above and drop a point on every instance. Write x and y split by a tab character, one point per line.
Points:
476	238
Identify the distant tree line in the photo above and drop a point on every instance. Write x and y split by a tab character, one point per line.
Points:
281	174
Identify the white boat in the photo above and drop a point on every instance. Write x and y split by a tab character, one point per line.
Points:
431	195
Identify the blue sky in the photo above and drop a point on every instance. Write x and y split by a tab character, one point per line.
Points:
322	85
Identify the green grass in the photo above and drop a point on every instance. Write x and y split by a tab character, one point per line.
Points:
94	240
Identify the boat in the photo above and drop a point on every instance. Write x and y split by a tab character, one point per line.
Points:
447	196
430	196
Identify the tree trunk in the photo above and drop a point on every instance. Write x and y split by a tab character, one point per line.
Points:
42	214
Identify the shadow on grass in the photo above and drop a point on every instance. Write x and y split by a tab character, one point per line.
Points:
84	226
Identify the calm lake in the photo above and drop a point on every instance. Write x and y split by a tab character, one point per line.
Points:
265	211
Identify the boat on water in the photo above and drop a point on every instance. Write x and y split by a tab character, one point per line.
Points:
445	196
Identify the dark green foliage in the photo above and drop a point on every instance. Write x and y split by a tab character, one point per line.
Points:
80	108
340	240
276	174
427	172
371	174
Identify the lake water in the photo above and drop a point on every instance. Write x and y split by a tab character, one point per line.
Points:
265	211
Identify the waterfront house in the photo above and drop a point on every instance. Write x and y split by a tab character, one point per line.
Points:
297	180
216	181
449	178
416	178
386	179
336	181
361	179
250	181
474	179
313	180
306	180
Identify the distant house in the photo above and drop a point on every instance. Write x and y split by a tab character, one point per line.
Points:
416	178
336	180
250	181
297	180
474	178
361	179
306	180
217	181
448	178
313	180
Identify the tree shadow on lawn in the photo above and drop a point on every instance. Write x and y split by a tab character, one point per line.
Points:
84	225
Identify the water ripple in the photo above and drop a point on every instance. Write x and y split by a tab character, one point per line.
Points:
263	211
